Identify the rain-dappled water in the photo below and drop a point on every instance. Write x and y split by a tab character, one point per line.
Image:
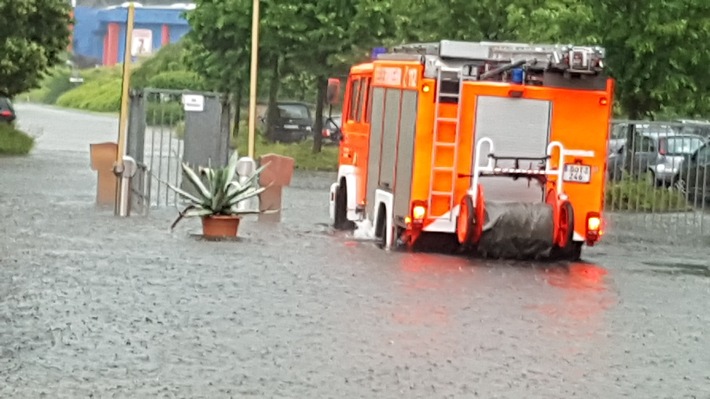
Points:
91	305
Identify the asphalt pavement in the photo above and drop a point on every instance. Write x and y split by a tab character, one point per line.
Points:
96	306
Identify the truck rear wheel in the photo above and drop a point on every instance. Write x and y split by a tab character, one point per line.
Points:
572	252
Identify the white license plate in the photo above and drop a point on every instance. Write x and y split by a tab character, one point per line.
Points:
577	173
290	126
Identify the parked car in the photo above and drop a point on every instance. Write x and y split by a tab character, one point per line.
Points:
688	126
695	175
659	155
7	111
619	132
293	122
331	129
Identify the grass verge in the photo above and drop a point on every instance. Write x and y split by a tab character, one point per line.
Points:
302	153
14	141
631	195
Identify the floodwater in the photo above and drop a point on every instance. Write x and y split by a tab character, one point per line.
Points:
95	306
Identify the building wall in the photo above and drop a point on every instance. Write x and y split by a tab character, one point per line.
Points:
101	33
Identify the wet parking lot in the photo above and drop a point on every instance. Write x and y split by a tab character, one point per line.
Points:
94	306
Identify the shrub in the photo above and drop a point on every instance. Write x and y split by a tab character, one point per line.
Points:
101	95
164	113
57	84
14	141
177	80
169	58
632	195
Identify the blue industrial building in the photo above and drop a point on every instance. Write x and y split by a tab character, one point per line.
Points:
100	34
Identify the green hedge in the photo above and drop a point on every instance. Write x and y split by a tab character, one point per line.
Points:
166	114
177	80
102	95
169	58
14	141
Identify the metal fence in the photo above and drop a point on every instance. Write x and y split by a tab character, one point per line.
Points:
658	182
162	135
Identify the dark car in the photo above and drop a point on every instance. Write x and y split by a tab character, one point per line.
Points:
695	175
7	111
293	122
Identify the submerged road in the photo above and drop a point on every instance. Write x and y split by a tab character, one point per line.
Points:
94	306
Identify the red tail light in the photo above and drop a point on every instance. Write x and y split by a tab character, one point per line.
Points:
5	113
593	228
417	213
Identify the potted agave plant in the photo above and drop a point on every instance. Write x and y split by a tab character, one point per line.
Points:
217	198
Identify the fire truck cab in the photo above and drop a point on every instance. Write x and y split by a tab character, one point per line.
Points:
438	137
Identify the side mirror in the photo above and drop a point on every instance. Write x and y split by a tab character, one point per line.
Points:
333	93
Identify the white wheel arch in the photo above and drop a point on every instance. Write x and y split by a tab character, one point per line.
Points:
387	199
350	173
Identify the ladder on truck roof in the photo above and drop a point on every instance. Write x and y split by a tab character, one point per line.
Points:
439	164
496	51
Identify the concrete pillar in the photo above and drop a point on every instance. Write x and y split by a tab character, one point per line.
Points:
114	31
165	35
277	175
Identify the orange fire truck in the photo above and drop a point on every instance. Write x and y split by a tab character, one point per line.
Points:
439	137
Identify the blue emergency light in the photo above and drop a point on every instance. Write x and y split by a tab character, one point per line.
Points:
377	51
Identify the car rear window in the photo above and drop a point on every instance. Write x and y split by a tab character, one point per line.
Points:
683	145
5	103
293	111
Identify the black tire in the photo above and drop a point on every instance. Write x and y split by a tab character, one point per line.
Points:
573	250
571	253
381	227
341	221
470	220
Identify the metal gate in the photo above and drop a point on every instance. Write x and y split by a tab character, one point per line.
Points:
166	128
658	182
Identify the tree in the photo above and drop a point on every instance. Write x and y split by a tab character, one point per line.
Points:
659	52
220	48
34	35
318	35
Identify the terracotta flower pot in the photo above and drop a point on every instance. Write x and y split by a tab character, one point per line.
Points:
220	225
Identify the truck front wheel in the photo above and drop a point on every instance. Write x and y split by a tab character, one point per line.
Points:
341	221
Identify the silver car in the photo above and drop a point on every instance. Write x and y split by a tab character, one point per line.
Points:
669	154
660	155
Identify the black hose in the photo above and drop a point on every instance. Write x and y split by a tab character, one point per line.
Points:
502	69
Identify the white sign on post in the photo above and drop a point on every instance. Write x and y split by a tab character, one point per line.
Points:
193	102
141	42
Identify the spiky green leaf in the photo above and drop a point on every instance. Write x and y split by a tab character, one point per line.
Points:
231	168
197	212
188	196
196	181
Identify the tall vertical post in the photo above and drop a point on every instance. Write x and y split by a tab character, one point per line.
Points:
253	75
119	167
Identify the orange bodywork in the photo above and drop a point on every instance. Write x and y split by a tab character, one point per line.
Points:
356	125
579	119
